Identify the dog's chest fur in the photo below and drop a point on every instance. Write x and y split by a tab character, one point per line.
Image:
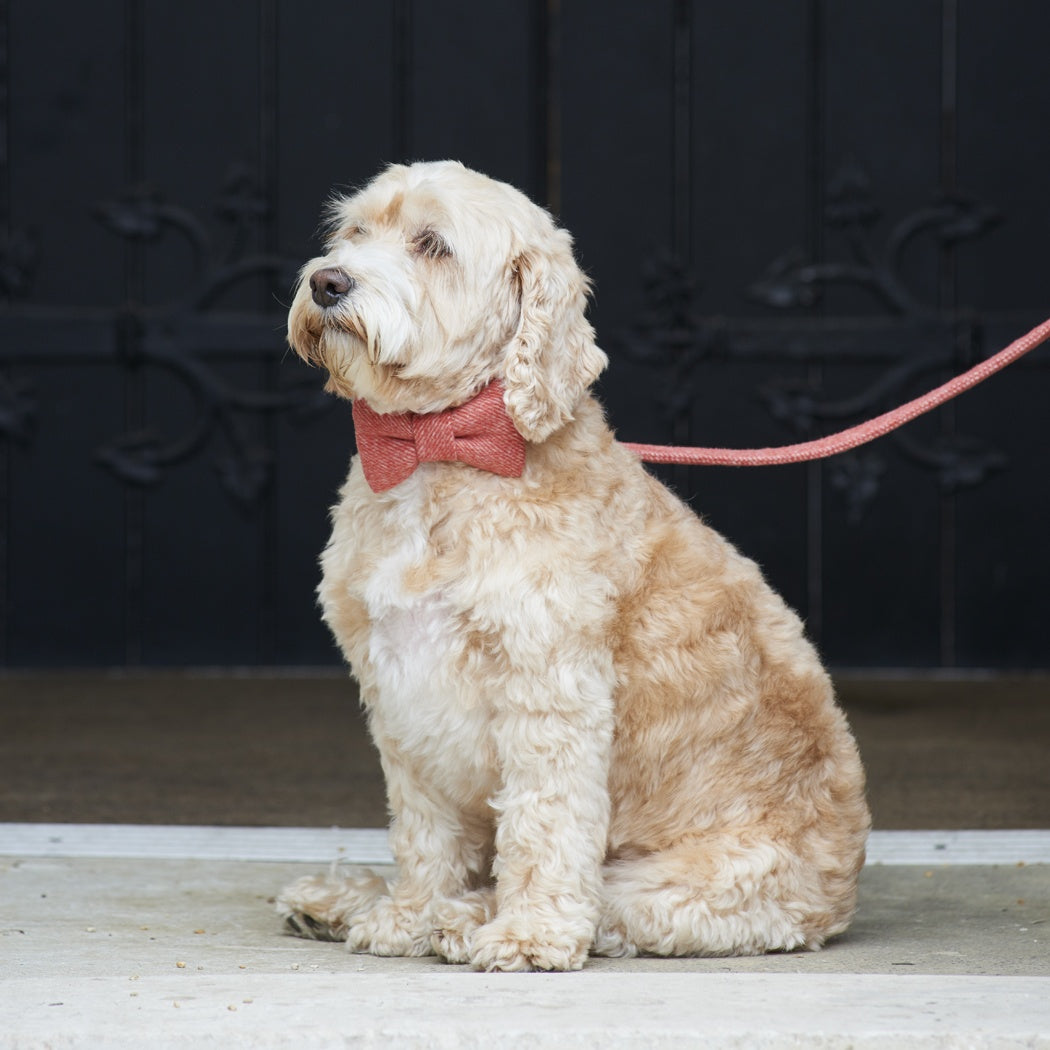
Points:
414	644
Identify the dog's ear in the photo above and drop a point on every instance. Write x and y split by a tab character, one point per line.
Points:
552	358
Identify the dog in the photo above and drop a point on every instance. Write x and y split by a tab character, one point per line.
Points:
601	730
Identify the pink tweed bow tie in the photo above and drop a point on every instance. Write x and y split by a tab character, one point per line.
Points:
478	433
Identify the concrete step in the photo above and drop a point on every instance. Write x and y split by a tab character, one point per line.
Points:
116	936
635	1011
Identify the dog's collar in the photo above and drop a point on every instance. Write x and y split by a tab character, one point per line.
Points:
478	433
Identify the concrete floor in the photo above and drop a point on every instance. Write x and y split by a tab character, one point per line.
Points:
165	946
132	951
105	916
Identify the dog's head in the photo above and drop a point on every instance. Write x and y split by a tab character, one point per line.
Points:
437	281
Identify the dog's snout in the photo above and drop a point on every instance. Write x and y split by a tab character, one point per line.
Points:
329	285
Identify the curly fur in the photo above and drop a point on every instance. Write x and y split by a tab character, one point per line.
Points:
601	730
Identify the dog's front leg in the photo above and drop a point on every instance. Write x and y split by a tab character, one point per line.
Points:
440	853
553	733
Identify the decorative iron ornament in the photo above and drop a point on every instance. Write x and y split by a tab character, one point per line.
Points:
675	340
19	254
141	457
856	476
958	461
17	409
853	213
164	338
671	338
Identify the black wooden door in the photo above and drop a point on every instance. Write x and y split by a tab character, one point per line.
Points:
796	214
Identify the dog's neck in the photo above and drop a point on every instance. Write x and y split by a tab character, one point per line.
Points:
478	433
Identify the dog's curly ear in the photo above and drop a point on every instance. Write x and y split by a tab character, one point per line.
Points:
552	358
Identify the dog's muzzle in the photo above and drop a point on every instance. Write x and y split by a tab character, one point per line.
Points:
329	285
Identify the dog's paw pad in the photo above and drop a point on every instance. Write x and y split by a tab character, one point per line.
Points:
389	929
495	948
455	923
451	946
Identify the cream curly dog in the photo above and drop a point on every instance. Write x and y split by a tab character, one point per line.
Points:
601	730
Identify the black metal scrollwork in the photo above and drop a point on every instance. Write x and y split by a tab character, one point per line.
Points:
852	212
922	342
166	337
19	254
670	336
17	409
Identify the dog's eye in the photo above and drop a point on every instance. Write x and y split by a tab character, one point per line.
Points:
432	245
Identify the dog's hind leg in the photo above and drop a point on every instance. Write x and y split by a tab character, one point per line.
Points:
322	907
716	896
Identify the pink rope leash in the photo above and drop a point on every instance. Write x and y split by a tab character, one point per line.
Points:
854	436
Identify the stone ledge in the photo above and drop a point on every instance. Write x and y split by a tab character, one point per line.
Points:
369	845
537	1011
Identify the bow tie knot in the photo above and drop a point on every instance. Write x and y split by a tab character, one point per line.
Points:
435	437
478	433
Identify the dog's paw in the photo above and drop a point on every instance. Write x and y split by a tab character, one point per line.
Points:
456	921
320	906
302	924
510	944
389	928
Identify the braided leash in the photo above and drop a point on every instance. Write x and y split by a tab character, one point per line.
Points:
854	436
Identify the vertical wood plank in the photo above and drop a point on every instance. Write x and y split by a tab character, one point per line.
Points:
335	107
882	126
203	584
65	528
617	177
202	579
472	69
884	129
750	168
751	153
65	148
1003	561
1004	111
1003	557
66	538
201	101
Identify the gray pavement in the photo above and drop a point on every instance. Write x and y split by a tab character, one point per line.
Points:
138	918
180	952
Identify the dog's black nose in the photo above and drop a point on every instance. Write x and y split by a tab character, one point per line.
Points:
329	285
